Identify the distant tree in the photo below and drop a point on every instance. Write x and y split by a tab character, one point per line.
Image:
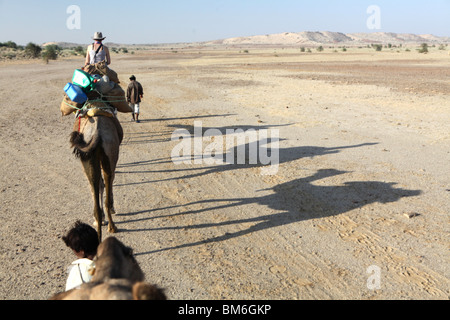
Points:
32	50
377	47
79	50
50	53
320	49
55	47
423	48
10	44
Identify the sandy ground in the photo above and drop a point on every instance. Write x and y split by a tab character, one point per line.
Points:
363	179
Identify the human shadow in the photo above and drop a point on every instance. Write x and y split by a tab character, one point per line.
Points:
164	136
292	202
148	137
230	161
134	138
188	118
209	131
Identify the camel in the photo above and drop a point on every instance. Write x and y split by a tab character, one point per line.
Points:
117	276
96	139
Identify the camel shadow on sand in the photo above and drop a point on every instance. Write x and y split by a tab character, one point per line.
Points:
292	202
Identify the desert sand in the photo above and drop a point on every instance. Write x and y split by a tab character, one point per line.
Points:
362	185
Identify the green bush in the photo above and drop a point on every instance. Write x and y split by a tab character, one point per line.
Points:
50	53
79	50
32	50
9	44
377	47
423	48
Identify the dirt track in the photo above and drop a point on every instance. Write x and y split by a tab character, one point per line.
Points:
364	141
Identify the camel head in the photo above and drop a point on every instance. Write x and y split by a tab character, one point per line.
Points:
116	261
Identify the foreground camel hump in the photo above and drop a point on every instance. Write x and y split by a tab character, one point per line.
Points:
117	276
96	141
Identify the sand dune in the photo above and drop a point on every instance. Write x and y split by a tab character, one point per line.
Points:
327	37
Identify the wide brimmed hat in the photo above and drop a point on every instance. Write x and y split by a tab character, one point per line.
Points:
98	36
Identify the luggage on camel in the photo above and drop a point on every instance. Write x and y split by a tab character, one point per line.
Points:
102	69
112	91
116	98
106	71
75	93
68	106
94	87
84	80
105	85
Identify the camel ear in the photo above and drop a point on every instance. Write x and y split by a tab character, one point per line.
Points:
145	291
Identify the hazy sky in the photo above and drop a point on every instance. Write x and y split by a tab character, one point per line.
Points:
168	21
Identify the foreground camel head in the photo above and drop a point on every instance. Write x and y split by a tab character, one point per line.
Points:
116	261
117	277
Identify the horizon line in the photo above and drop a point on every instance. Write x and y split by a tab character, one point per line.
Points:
445	38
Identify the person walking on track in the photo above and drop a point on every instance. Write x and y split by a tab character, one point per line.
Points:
135	93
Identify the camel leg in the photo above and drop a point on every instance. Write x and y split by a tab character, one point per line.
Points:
108	174
109	179
93	173
102	192
113	210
